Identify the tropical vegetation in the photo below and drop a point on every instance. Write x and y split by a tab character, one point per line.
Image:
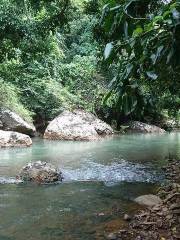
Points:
51	58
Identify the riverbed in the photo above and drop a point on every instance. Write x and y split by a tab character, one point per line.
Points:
101	179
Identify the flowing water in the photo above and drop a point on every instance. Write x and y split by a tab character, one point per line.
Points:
101	179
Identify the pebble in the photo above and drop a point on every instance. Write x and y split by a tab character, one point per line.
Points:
111	236
127	217
101	214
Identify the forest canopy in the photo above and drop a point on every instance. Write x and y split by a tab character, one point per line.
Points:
51	57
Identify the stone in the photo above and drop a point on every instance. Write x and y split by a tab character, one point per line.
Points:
10	121
149	200
111	236
127	217
40	172
77	125
139	127
14	139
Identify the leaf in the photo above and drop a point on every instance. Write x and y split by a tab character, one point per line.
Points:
159	50
108	50
126	29
119	103
176	14
107	97
152	75
106	6
112	82
154	57
166	14
128	70
137	31
128	103
115	8
157	19
125	104
170	55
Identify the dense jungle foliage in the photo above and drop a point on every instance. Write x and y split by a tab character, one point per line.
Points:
51	57
143	51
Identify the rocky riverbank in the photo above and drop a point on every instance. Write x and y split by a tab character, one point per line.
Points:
162	221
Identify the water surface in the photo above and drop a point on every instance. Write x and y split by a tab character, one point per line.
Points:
101	180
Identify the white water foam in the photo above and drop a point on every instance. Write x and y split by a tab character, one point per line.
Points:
9	180
111	174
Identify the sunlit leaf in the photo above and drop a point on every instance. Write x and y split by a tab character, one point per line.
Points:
152	75
108	50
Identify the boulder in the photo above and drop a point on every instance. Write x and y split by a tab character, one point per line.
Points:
77	125
10	121
149	200
14	139
40	172
139	127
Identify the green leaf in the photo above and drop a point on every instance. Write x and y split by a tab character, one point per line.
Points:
129	103
170	55
154	57
107	97
152	75
128	70
108	50
112	82
126	29
138	31
176	14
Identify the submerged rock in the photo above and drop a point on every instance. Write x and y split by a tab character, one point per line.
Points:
77	125
40	172
14	139
148	200
10	121
139	127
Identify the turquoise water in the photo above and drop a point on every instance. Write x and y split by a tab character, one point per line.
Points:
101	179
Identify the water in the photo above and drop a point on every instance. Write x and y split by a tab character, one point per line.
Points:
101	180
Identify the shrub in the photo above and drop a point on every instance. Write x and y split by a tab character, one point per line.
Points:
9	98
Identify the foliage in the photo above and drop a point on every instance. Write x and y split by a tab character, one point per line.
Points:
142	43
47	62
9	98
29	50
79	69
49	56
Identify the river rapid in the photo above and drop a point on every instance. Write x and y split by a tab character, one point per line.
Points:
101	179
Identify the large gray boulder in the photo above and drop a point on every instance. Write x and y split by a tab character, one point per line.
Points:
149	200
77	125
40	172
10	121
139	127
14	139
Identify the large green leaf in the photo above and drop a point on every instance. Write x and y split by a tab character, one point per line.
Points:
152	75
108	50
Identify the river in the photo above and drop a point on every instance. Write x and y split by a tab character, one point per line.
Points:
101	179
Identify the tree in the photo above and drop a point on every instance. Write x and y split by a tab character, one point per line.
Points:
143	49
29	52
48	56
